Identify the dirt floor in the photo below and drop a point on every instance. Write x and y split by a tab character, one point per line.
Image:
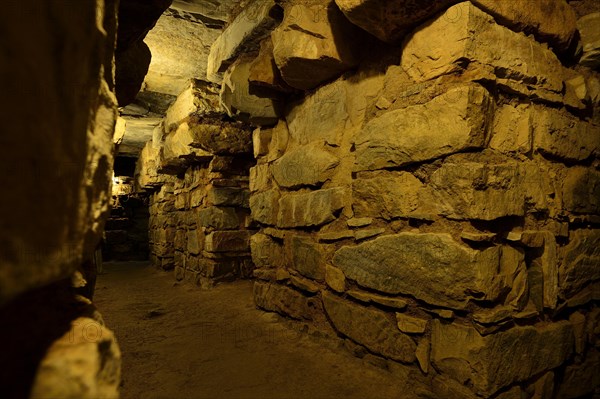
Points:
181	342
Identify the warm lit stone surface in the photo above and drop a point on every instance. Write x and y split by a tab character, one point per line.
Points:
465	37
495	361
310	209
418	265
370	328
309	46
590	39
304	166
389	20
453	122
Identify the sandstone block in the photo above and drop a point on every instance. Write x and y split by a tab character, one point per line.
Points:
411	325
228	241
219	218
310	209
335	278
512	129
253	23
227	196
581	191
430	267
284	300
307	258
240	103
580	260
551	21
264	72
389	20
370	328
279	141
264	207
313	44
259	177
266	253
590	39
424	132
304	166
499	360
581	379
224	138
261	138
177	151
199	98
464	37
195	241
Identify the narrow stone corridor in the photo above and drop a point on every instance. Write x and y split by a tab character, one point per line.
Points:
178	341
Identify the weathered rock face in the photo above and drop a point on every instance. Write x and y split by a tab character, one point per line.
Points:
308	46
590	39
389	20
453	122
418	265
198	215
243	34
489	362
551	21
60	91
447	46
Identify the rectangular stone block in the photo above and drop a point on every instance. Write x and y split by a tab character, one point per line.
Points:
199	98
308	258
453	122
266	252
369	327
581	191
285	300
228	241
310	209
498	360
264	207
580	262
430	267
466	38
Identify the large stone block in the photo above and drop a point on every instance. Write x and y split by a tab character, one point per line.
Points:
430	267
498	360
285	300
218	218
243	34
487	191
310	209
240	103
466	38
308	258
221	138
511	131
590	39
551	21
389	20
177	151
83	363
369	327
199	98
580	262
453	122
266	253
264	207
227	196
581	191
304	166
264	73
388	196
228	241
147	166
561	135
313	44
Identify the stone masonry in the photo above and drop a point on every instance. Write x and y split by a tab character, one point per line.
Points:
436	203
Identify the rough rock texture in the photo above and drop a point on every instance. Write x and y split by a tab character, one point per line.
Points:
58	82
551	21
419	265
198	179
240	103
590	39
490	362
243	34
425	132
389	20
308	46
446	46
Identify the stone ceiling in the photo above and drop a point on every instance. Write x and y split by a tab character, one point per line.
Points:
180	43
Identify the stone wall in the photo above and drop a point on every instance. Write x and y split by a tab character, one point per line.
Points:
196	169
56	156
436	203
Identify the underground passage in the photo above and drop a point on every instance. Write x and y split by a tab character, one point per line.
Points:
300	199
